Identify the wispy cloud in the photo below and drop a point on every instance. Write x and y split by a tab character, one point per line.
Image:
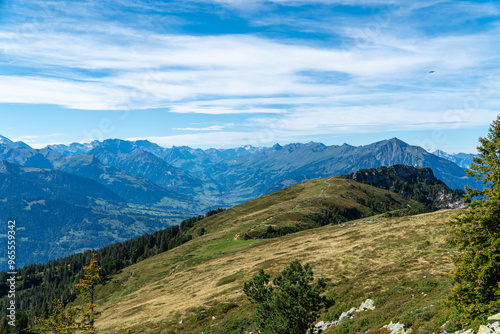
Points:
205	139
310	70
35	139
207	128
174	69
25	138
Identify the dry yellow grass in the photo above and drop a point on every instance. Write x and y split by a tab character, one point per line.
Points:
372	254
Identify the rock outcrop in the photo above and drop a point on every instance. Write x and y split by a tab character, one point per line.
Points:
321	326
493	327
494	318
415	183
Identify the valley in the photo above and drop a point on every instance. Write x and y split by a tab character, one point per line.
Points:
364	240
249	167
158	187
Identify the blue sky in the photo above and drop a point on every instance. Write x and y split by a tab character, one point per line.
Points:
225	73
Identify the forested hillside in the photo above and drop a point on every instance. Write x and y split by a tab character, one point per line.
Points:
39	284
332	201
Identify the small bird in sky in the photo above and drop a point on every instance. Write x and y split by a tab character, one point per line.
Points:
432	71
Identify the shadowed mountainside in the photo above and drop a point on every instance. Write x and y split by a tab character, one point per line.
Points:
130	187
415	183
244	173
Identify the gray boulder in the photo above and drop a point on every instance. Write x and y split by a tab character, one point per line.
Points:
392	327
347	314
399	330
470	331
494	318
495	326
368	304
484	330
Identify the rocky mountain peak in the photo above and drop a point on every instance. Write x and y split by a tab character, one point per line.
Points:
412	182
276	147
7	141
384	177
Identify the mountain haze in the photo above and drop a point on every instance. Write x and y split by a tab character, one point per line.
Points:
29	182
279	166
131	187
142	179
59	213
69	204
127	156
50	228
461	159
240	174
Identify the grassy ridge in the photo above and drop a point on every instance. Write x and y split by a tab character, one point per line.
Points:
388	259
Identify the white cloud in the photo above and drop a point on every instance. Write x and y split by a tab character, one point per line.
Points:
208	128
31	138
267	131
22	138
255	3
43	144
71	94
205	139
172	70
36	141
365	80
374	119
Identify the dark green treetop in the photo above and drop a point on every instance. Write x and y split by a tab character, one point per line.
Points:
476	234
291	303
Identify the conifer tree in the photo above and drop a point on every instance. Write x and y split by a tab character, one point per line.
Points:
4	325
45	308
73	319
291	303
476	234
60	321
86	288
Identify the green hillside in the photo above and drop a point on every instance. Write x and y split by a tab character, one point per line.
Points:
387	259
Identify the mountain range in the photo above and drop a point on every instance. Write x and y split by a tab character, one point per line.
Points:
131	187
235	175
160	186
7	141
365	241
461	159
29	182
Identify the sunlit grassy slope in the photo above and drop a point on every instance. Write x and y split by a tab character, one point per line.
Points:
403	263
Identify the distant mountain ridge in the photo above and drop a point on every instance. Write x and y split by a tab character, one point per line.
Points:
127	185
7	141
461	159
183	157
279	166
129	157
248	172
29	182
141	179
67	204
224	177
